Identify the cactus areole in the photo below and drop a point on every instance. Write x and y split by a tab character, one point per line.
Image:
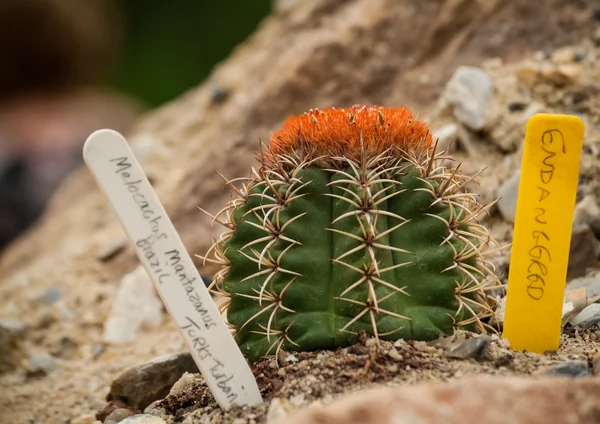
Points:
352	222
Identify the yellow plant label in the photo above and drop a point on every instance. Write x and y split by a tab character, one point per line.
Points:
542	232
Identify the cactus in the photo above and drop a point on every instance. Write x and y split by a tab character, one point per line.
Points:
352	222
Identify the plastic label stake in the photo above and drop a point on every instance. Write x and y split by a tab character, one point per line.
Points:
177	281
542	232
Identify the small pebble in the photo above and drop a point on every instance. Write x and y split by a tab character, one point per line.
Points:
569	369
470	349
143	419
52	294
40	365
98	349
393	353
298	399
84	419
119	415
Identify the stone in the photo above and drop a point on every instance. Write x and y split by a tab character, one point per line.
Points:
483	399
587	211
591	285
596	364
40	365
111	249
119	415
584	251
528	73
564	55
136	306
589	317
143	419
84	419
181	385
575	301
155	409
570	73
140	385
279	409
472	348
52	294
469	92
446	136
508	194
11	351
569	369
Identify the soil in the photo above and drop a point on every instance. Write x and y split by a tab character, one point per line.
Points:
299	379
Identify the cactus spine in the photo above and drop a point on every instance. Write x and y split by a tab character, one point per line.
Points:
352	222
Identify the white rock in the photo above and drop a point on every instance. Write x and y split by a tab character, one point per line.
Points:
446	136
469	92
279	408
508	194
136	306
186	381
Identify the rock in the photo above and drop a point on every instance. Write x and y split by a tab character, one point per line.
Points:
570	73
564	55
279	409
84	419
136	306
119	415
11	353
40	365
508	193
466	142
467	401
588	317
97	350
596	364
446	136
140	385
298	400
111	249
469	92
155	409
181	385
575	301
143	419
569	369
587	211
52	294
584	250
591	285
472	348
528	73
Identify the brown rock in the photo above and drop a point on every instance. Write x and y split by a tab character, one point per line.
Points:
471	401
141	385
564	55
584	250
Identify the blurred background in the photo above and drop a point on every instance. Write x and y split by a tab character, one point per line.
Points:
68	67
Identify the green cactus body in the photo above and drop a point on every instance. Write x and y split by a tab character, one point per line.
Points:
323	247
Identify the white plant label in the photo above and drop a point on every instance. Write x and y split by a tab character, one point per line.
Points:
177	281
